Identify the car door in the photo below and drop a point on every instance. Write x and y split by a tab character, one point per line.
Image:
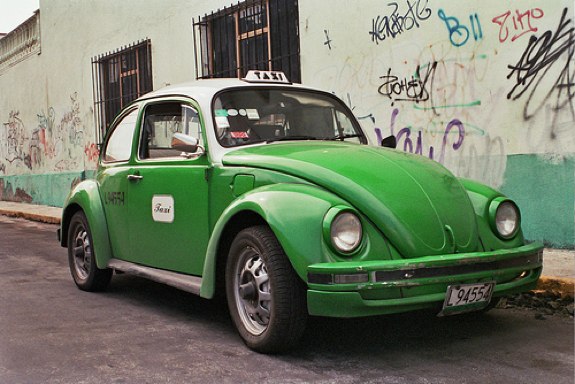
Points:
168	191
113	177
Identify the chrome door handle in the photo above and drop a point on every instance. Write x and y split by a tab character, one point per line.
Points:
135	177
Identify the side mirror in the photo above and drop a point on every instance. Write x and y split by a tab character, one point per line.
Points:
389	142
188	145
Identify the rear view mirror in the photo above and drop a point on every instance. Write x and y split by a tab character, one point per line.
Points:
186	144
389	142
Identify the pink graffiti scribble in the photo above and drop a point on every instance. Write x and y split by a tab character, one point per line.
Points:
521	23
92	152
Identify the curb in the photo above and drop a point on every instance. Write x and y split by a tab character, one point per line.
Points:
559	286
31	216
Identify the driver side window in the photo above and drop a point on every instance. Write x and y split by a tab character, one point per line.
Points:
160	123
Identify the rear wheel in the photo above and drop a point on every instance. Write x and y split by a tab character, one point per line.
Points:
265	296
81	257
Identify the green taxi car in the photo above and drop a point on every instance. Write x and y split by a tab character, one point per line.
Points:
268	193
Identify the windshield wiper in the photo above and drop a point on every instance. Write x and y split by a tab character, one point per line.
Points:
288	138
342	137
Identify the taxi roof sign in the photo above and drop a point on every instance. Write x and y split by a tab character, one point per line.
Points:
257	76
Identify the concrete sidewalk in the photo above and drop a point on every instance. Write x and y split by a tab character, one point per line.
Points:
558	264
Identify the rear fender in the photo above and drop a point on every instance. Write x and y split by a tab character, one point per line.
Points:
86	197
294	212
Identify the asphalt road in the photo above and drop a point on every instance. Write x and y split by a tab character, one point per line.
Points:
142	332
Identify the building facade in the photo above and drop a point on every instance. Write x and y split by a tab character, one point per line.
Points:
487	89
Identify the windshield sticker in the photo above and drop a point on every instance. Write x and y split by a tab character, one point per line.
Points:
222	122
221	112
239	135
233	112
242	112
163	208
253	114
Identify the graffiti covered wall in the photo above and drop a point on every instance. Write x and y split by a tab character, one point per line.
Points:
55	142
43	152
485	88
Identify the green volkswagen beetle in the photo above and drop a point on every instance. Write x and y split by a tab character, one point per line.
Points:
268	193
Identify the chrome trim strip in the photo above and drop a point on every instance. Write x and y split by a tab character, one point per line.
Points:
529	262
181	281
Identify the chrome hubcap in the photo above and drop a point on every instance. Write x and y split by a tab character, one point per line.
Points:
252	293
82	253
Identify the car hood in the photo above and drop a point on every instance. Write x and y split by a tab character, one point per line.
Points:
415	202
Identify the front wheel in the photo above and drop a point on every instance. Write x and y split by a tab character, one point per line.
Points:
265	296
81	257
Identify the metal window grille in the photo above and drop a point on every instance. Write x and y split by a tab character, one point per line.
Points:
254	34
119	78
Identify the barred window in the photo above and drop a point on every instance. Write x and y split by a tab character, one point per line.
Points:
254	34
119	78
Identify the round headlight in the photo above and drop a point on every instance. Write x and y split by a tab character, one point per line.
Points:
346	232
507	219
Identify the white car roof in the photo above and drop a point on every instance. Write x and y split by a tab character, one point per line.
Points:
203	90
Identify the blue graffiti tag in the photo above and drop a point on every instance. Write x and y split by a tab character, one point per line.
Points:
458	32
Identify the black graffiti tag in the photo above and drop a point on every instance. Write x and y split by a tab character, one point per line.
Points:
414	89
539	58
396	23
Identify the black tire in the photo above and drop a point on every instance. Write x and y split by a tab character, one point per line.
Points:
266	298
81	257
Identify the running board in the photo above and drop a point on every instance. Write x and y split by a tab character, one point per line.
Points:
186	283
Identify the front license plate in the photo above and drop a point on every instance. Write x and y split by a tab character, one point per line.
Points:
467	297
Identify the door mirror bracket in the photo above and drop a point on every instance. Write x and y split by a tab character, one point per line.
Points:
389	142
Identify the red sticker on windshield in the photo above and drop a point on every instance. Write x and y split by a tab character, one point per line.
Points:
239	135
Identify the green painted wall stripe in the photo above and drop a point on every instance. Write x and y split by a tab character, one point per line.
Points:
545	192
48	189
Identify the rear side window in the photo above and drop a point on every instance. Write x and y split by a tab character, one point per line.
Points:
119	146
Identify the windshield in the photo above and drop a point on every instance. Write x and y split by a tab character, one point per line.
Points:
247	116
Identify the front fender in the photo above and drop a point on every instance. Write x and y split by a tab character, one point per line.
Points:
86	197
294	212
481	197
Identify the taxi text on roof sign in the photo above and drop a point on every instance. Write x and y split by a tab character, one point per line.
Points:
266	77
